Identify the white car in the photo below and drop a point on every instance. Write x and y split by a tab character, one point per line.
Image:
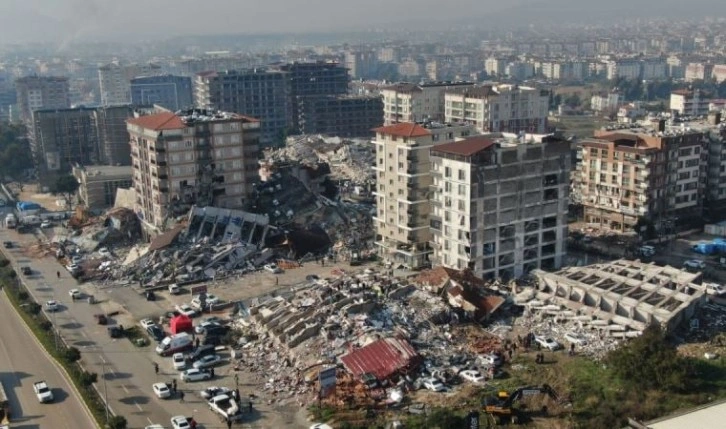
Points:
145	323
207	361
547	343
320	426
51	306
103	251
73	268
273	268
195	374
202	327
76	259
180	422
212	391
472	375
161	390
434	385
179	361
575	339
694	264
154	426
46	224
74	293
715	289
491	359
186	310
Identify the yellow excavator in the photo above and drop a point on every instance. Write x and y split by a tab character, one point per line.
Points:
500	407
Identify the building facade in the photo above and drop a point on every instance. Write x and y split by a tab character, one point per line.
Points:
689	103
168	91
34	93
502	108
500	204
207	158
112	134
403	182
341	115
259	93
98	184
115	80
408	102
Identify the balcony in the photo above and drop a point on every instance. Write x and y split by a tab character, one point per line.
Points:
159	149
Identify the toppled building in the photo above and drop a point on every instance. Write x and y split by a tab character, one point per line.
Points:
227	226
631	294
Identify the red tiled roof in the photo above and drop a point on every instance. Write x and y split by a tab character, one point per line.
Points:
382	358
467	147
159	121
404	129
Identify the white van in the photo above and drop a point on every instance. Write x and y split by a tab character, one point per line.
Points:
174	289
715	289
180	342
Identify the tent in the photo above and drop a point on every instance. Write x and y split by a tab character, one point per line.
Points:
181	323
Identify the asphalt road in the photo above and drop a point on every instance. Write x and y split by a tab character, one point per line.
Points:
23	362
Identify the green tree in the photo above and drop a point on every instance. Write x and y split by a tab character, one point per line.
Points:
116	422
650	362
66	186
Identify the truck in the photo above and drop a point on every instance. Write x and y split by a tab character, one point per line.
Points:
43	392
4	409
11	222
227	406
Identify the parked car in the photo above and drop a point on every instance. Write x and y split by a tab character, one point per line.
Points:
202	327
694	264
472	375
273	268
186	310
26	270
76	260
46	224
207	361
202	351
211	392
575	339
491	359
715	289
145	323
150	296
180	422
51	306
115	332
179	361
104	252
8	244
174	289
101	319
434	385
195	374
646	251
73	268
547	343
161	390
156	332
75	294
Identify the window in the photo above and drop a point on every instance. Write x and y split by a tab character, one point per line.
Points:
447	172
447	187
462	175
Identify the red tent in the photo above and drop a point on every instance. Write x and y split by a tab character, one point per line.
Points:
181	323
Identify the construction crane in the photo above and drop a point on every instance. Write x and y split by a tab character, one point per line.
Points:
500	406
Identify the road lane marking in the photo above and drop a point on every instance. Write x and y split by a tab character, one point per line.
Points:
139	407
125	389
150	421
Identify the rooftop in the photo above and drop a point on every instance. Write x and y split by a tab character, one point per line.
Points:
466	147
102	172
382	358
182	119
404	129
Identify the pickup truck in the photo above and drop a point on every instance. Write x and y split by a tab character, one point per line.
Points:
227	406
42	391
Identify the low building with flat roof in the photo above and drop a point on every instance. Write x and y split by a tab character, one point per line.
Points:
98	183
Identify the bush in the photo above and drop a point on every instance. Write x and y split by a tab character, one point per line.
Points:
87	378
4	263
23	296
116	422
71	354
33	308
45	325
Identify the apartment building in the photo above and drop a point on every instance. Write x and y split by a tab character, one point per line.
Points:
606	102
361	64
403	181
500	204
639	173
715	198
168	91
207	158
689	103
115	80
698	71
409	102
35	92
500	108
258	93
113	136
62	138
98	184
339	115
628	69
495	66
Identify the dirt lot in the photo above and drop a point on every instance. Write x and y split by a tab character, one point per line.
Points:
30	193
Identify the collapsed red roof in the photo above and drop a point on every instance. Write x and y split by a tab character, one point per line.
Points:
382	358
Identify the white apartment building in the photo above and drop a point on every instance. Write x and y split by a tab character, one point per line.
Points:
689	103
628	69
198	157
605	102
495	66
115	81
500	108
698	71
409	102
403	182
500	204
654	69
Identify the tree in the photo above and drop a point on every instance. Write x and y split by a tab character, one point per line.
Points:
116	422
650	362
66	185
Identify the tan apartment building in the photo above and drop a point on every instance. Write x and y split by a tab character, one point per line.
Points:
41	92
403	181
115	80
629	174
410	102
498	108
98	183
198	157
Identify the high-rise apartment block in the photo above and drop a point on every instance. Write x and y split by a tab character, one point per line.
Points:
408	102
168	91
115	80
34	92
258	93
654	174
339	115
501	108
362	64
113	136
403	182
500	204
207	158
689	102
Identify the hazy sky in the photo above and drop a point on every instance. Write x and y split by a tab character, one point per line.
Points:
66	20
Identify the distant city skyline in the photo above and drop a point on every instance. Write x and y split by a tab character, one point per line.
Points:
67	21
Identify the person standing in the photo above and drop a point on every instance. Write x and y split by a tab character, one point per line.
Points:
156	368
181	396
